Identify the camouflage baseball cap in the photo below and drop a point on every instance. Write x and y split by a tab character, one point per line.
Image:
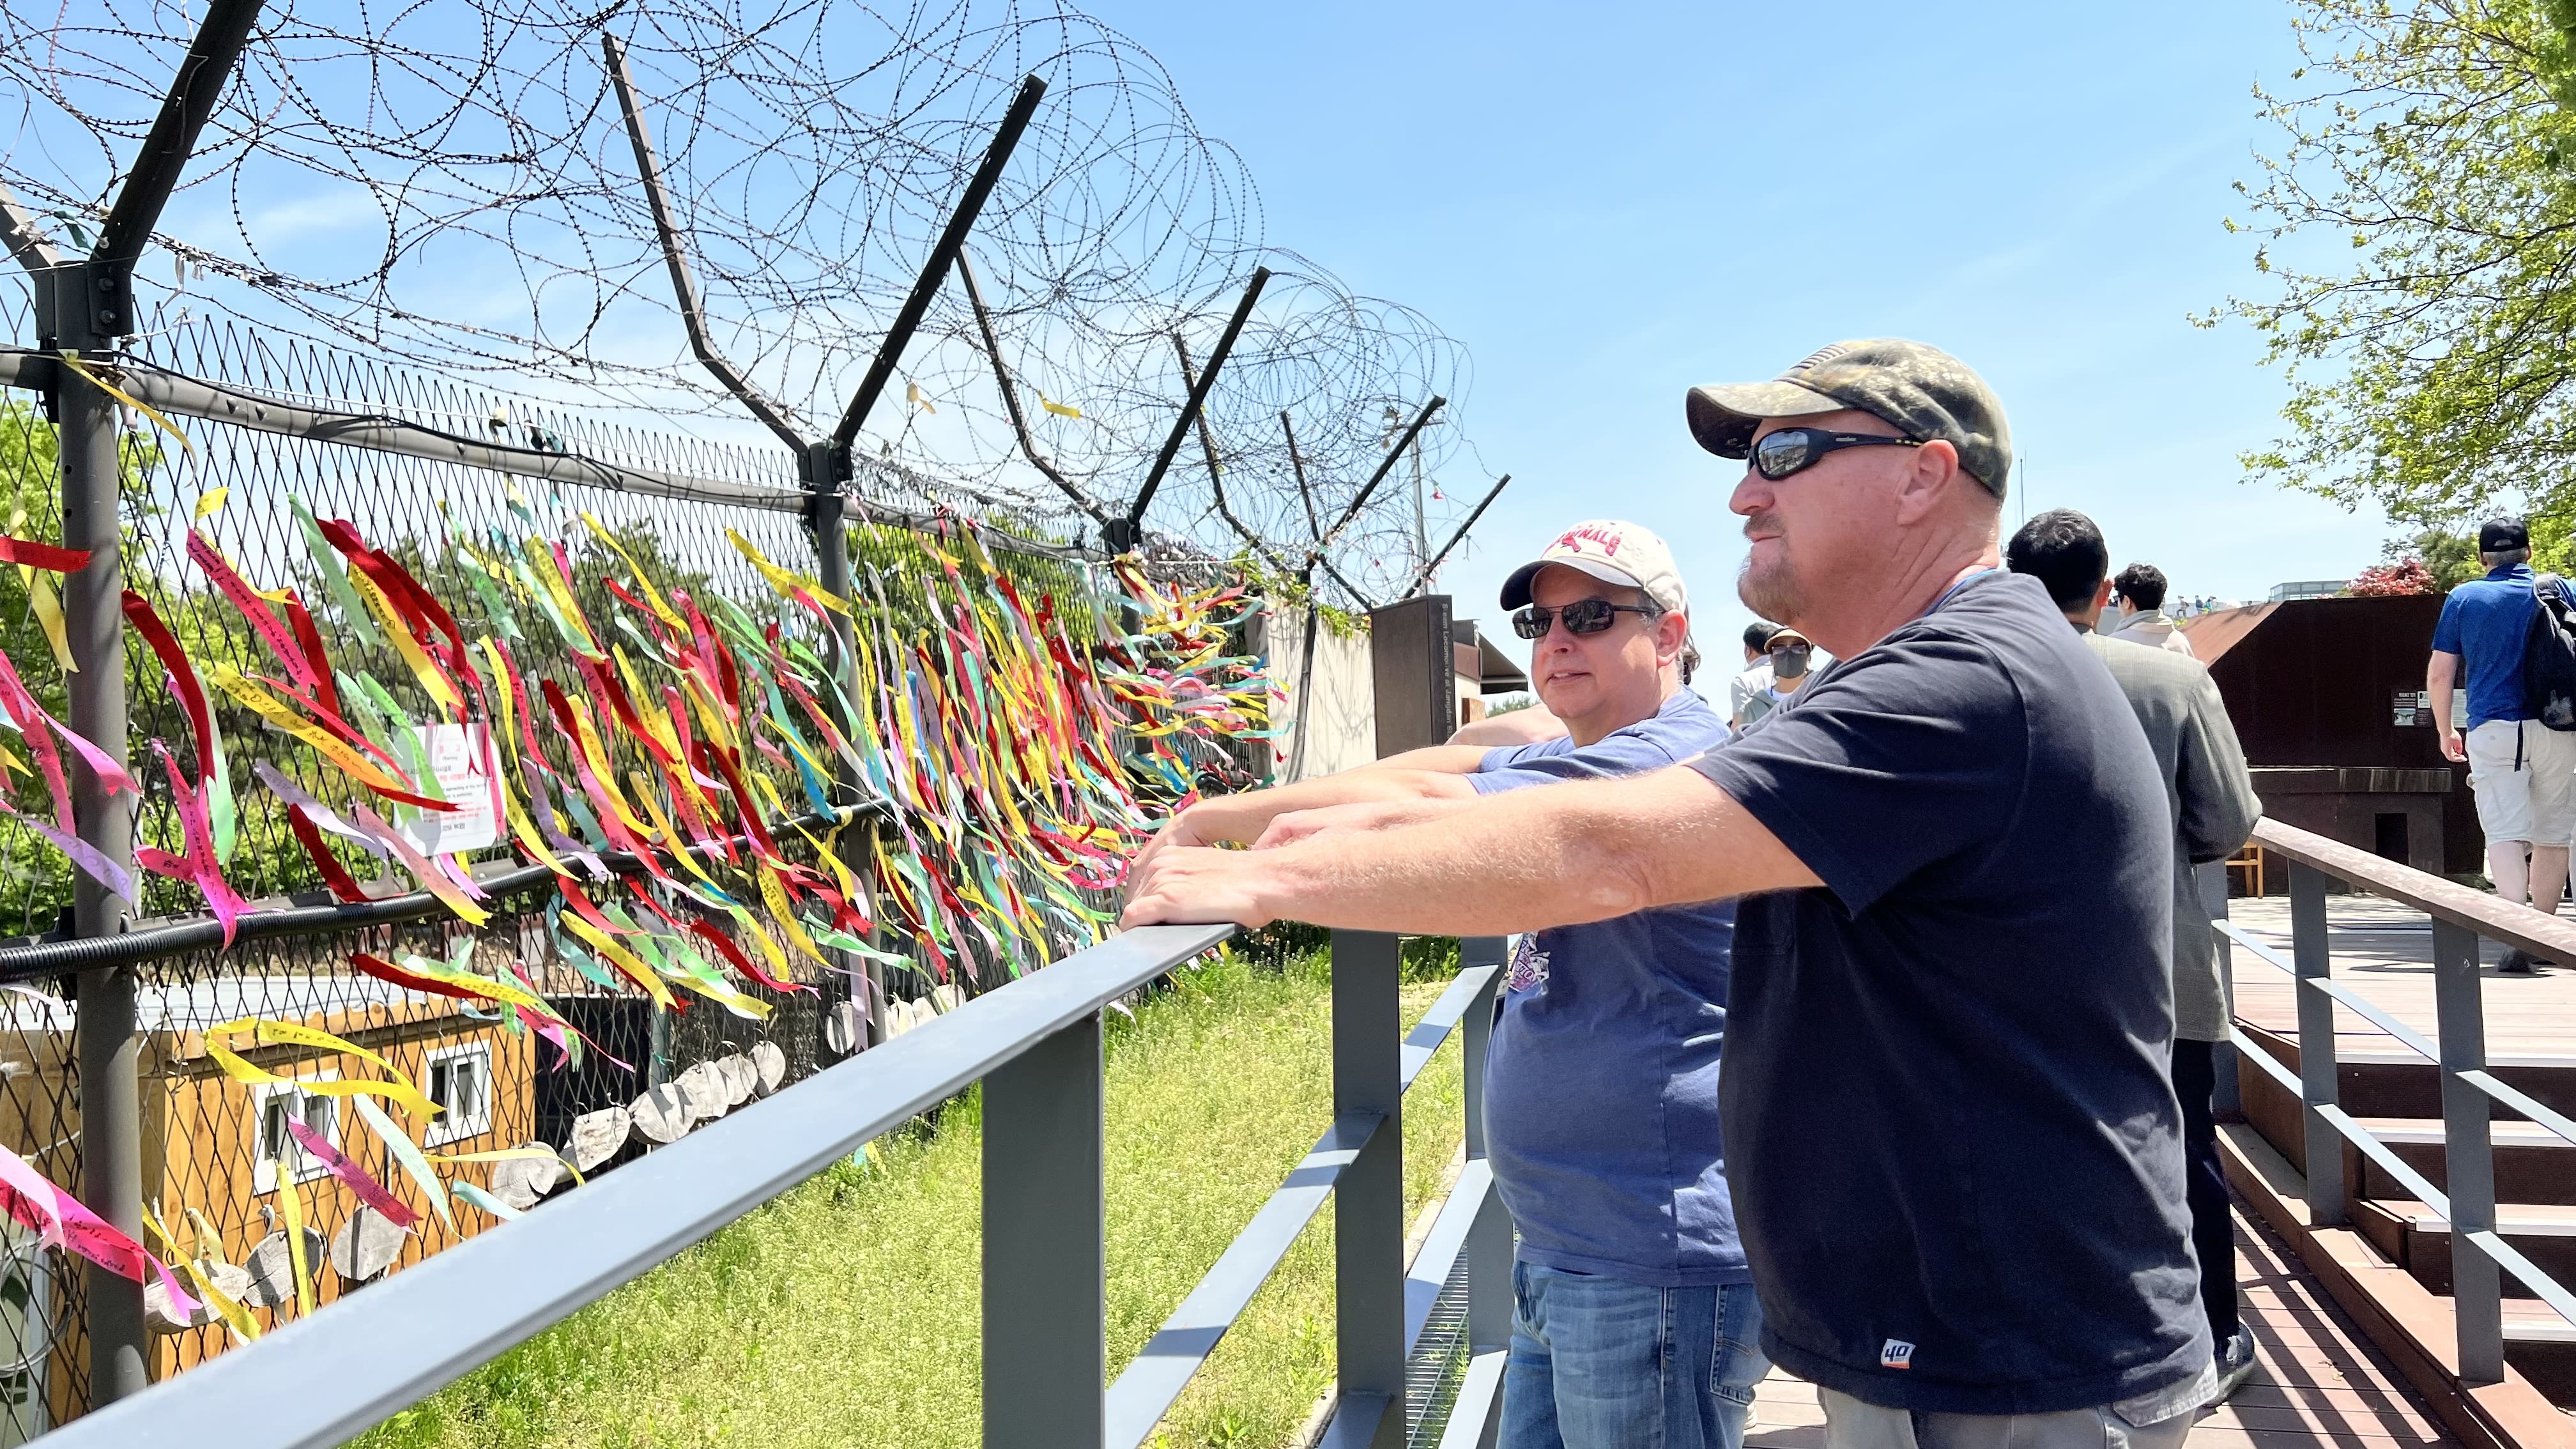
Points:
1921	391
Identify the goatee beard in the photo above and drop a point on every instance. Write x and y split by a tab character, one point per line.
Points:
1769	593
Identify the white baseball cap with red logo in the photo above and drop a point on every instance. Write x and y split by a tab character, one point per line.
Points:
1613	552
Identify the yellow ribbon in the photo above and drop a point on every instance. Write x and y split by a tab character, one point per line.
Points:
398	1090
331	747
652	596
621	958
785	581
290	1206
773	894
514	1154
72	360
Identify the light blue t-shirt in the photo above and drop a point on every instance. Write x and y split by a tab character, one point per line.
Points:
2485	622
1601	1090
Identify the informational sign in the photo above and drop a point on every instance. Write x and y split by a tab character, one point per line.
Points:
468	772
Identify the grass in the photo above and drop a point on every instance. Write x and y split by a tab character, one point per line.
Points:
845	1313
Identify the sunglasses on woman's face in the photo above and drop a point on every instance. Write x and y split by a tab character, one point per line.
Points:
1583	616
1794	450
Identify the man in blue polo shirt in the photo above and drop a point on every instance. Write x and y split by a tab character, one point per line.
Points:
1636	1321
2522	772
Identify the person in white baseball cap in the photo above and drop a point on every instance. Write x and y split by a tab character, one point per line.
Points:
1610	1161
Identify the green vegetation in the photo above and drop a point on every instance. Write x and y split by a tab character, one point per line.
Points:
2429	142
845	1313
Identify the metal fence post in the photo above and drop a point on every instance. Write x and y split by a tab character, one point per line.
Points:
2227	1098
111	1095
2308	953
1368	1202
1489	1240
2468	1152
1046	1292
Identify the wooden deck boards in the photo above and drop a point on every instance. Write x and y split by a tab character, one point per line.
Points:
2385	952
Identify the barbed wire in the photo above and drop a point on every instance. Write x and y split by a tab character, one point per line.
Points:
450	184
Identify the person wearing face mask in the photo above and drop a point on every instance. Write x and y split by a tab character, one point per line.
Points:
1791	659
1601	1090
1757	670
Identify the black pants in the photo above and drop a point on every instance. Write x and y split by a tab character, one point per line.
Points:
2213	1230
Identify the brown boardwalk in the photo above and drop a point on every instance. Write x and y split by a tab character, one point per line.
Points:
2385	951
2318	1384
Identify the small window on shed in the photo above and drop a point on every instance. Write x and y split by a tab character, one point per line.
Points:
460	1080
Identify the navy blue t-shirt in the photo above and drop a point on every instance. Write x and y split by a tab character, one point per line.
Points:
2485	622
1601	1102
1950	1123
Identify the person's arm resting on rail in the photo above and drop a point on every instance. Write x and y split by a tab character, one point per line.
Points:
1581	851
1436	773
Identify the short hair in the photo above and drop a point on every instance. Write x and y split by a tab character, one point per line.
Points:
1758	633
2142	585
2064	551
2505	558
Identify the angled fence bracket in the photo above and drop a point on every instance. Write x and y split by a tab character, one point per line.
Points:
1197	399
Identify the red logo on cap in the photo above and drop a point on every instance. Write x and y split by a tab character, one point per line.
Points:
1574	539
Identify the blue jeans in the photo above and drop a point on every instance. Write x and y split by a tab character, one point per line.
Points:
1599	1363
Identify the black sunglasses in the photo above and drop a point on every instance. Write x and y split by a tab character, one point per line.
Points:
1794	450
1583	616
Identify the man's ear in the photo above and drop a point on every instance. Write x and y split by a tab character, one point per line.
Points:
1672	631
2102	596
1934	472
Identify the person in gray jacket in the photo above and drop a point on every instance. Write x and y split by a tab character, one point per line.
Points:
2214	810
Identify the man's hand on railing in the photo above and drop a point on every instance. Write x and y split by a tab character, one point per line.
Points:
1299	825
1177	832
1192	885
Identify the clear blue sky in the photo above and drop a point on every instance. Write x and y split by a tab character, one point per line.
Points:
1608	205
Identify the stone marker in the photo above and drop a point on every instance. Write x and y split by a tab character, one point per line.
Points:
739	1077
272	1274
520	1181
844	1031
706	1089
661	1115
596	1136
366	1245
232	1282
769	1064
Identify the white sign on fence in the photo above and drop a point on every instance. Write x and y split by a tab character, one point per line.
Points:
468	772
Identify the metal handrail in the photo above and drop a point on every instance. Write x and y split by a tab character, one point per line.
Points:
1035	1044
2461	916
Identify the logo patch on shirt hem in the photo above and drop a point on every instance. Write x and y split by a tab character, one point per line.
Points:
1896	1353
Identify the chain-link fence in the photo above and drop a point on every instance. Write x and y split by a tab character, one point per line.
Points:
965	779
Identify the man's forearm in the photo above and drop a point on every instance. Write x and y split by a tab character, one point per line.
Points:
2441	677
1242	818
1529	859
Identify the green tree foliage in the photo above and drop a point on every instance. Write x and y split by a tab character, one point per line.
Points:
2434	372
2450	559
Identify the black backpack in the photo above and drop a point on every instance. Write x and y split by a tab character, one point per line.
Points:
2549	656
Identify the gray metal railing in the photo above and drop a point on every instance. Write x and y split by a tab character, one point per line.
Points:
2470	1093
1035	1044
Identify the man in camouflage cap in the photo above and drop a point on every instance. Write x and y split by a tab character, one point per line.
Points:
1953	1145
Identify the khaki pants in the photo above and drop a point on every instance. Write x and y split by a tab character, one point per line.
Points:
1851	1424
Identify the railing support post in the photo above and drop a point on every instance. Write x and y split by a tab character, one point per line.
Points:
2468	1152
1045	1256
1489	1242
1368	1203
2227	1098
2309	954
